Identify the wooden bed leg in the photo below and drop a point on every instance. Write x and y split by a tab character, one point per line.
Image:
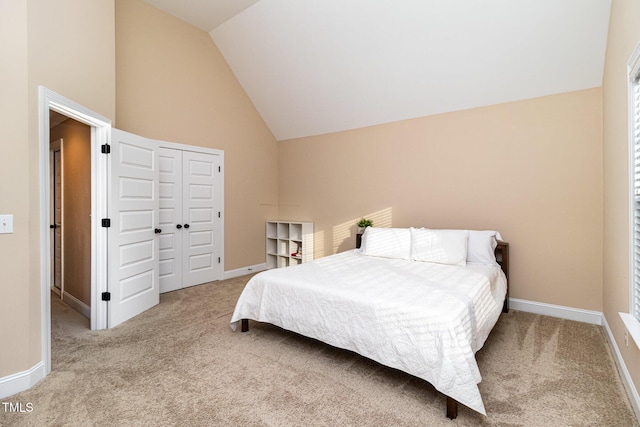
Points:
245	325
452	408
505	305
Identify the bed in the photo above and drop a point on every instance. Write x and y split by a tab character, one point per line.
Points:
419	300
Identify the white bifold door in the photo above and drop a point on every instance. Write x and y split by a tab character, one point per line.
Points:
190	215
165	228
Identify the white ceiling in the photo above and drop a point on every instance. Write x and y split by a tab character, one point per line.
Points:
318	66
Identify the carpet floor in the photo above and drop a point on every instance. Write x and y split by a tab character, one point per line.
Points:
179	364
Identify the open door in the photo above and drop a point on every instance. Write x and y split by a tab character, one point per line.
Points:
134	227
56	196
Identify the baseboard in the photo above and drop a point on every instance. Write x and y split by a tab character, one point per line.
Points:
244	270
77	305
21	381
569	313
630	388
73	302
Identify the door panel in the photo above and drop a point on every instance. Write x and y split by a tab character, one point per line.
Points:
201	238
133	242
57	219
200	207
201	262
170	218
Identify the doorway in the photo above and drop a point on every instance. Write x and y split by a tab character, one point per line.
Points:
70	175
98	129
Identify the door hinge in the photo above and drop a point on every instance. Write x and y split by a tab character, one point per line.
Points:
218	260
219	168
105	148
106	222
218	214
106	296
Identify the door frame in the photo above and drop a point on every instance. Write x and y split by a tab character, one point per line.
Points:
100	130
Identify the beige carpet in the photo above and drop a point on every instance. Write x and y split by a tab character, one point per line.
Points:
179	364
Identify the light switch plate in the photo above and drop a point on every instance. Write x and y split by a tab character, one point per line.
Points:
6	224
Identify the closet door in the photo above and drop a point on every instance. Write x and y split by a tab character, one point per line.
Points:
201	216
190	195
170	219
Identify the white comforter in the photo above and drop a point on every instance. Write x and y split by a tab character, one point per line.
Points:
425	319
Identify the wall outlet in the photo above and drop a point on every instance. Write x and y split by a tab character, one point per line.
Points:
6	224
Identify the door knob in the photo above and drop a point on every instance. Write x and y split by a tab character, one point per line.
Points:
186	226
179	226
52	226
158	230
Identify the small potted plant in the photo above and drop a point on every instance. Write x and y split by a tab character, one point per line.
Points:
362	224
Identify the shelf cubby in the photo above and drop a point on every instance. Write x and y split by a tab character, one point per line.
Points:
288	243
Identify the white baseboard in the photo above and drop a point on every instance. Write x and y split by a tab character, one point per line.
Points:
21	381
77	305
569	313
632	392
244	270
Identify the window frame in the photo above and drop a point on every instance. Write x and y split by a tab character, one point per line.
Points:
632	318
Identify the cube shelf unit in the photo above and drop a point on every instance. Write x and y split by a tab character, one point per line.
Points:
289	243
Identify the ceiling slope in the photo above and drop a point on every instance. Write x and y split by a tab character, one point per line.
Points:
318	66
203	14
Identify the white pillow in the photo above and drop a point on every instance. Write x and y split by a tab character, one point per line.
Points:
386	242
482	247
439	246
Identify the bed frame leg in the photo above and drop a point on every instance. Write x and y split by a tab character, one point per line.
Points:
452	408
245	325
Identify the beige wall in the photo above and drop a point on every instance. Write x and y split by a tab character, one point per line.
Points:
174	85
17	332
68	47
530	169
624	35
76	222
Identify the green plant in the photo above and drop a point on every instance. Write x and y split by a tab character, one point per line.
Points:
365	223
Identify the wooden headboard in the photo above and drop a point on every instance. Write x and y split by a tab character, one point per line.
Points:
502	257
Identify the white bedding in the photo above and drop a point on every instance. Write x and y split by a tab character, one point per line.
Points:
425	319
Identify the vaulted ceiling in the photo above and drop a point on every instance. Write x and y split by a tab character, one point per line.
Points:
318	66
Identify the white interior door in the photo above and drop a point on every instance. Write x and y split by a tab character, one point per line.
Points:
133	234
201	217
56	215
170	219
